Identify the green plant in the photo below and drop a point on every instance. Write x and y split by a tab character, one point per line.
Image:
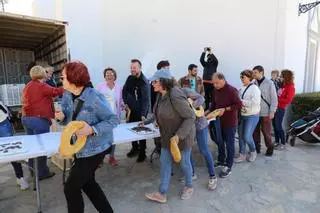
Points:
304	103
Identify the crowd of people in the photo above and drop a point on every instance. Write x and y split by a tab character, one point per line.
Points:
175	109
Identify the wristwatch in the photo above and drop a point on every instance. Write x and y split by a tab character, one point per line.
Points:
95	132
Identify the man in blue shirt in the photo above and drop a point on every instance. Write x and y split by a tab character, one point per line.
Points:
192	80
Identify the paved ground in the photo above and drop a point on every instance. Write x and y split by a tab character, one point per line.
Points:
287	182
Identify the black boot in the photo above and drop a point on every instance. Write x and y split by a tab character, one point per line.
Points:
258	150
269	151
142	156
133	152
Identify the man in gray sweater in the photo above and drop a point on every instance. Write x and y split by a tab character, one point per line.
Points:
268	104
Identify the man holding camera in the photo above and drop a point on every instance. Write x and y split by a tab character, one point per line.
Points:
210	64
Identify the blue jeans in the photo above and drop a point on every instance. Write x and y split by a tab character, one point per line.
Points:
34	126
6	130
227	142
246	129
166	168
278	122
202	141
216	136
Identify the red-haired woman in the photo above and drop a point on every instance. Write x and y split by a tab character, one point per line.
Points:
286	94
99	121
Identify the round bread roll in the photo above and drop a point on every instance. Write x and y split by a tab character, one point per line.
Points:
66	149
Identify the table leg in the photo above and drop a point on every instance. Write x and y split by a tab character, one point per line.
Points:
34	178
64	171
37	184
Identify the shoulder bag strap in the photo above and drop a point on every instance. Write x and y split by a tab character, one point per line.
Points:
244	92
77	110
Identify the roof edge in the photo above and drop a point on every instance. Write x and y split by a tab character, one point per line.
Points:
32	18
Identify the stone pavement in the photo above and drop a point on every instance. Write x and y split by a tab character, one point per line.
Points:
289	182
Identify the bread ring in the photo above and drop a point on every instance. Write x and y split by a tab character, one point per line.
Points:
66	149
213	114
175	151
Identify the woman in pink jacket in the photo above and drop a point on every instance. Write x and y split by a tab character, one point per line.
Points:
113	93
285	96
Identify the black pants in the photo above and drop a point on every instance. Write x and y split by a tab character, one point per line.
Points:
17	169
135	117
157	144
208	90
82	177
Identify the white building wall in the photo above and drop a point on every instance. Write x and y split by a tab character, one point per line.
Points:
296	42
110	33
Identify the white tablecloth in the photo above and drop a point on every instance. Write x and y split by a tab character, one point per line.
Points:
47	144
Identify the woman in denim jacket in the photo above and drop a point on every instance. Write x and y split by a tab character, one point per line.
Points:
99	123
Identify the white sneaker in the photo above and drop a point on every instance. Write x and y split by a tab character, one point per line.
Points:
212	183
240	159
23	184
252	156
194	177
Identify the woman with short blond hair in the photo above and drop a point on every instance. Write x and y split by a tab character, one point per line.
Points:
37	111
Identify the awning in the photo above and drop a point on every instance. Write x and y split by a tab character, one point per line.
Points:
25	32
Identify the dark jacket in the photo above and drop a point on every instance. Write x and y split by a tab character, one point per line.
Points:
228	96
51	82
135	94
174	116
153	97
209	66
277	84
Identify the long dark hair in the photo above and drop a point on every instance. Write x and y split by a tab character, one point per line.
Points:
287	76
